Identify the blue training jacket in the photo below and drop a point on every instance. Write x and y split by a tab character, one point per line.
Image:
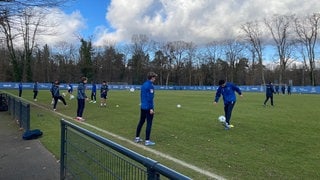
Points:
94	88
55	91
81	91
147	95
228	93
269	90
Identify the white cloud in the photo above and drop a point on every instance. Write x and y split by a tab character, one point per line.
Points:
63	27
199	21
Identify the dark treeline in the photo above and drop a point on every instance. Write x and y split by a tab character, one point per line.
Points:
177	63
292	40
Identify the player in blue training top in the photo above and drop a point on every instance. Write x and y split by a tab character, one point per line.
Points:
20	89
93	92
269	94
81	97
56	95
35	90
227	90
147	108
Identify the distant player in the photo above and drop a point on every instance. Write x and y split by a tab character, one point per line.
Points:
104	94
51	91
93	92
70	90
56	95
269	94
35	90
20	89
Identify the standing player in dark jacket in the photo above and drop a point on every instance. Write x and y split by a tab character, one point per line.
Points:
81	96
104	94
227	90
147	108
20	89
269	93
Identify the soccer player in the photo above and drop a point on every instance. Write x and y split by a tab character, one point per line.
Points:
70	91
20	89
93	93
104	94
269	94
81	96
56	95
227	90
35	90
51	91
146	108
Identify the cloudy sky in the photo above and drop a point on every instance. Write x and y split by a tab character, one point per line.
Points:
198	21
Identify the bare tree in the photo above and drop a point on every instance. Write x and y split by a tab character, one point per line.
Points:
177	54
212	53
307	31
279	27
21	19
191	49
140	49
254	36
232	50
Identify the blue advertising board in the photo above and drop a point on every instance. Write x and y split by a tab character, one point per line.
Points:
47	86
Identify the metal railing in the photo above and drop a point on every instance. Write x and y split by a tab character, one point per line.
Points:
85	155
20	111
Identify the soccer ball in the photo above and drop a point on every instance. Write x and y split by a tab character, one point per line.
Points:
222	119
178	106
63	94
71	96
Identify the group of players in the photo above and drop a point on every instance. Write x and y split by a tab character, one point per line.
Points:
81	96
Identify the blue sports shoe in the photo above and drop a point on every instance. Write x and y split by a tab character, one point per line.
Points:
149	143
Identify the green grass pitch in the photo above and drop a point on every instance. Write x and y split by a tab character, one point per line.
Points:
280	142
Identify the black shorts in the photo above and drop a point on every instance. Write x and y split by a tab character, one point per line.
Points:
103	96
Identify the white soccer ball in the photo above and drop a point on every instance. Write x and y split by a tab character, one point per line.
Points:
71	96
131	89
178	106
222	119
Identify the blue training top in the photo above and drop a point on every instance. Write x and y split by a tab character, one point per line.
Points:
147	95
269	90
94	88
81	91
228	93
35	87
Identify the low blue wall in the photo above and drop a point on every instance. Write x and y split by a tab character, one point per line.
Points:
46	86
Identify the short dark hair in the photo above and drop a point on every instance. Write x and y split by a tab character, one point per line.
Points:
83	79
151	75
221	82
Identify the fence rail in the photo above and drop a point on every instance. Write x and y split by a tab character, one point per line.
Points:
19	110
85	155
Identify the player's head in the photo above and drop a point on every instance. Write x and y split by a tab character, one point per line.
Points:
84	79
222	82
151	75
